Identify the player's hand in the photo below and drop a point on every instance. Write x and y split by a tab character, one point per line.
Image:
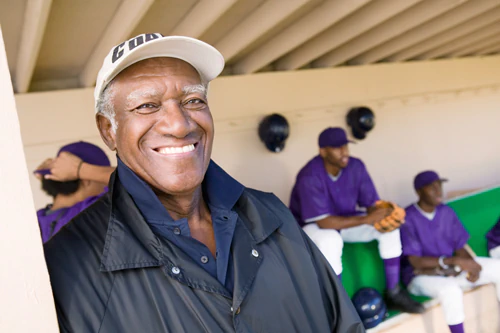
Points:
378	214
64	168
47	164
472	268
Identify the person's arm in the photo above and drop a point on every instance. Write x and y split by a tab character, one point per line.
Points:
462	258
343	222
96	173
67	167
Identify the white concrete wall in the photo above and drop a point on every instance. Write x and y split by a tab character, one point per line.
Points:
26	303
442	115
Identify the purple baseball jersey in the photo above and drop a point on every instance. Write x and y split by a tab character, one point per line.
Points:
421	237
493	236
52	222
316	194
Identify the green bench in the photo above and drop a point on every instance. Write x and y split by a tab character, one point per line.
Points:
364	268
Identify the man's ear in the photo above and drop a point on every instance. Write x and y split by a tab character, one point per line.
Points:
322	152
106	131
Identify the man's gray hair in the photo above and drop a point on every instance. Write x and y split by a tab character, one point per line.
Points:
105	105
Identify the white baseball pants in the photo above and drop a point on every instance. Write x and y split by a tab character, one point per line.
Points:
331	242
449	289
495	252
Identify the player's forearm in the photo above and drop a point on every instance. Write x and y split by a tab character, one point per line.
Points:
429	262
341	222
96	173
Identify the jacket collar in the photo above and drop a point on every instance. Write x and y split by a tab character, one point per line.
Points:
130	242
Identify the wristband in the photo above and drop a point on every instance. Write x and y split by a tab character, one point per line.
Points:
441	262
78	170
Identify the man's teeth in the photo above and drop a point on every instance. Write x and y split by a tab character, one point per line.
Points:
176	150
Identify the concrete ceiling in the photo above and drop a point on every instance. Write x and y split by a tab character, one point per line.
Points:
60	44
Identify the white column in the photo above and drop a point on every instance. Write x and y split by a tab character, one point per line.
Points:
26	303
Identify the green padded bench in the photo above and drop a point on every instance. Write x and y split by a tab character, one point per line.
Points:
363	267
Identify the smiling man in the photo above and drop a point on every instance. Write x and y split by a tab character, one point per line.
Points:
437	261
177	245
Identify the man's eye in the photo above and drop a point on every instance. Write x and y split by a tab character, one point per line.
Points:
195	101
146	106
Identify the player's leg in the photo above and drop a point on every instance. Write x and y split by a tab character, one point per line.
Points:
329	243
390	249
447	290
495	252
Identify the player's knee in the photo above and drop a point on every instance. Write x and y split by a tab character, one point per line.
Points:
451	293
331	238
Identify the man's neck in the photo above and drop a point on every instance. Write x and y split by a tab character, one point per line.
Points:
66	200
428	208
190	206
331	169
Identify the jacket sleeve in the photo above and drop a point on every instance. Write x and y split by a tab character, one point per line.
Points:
343	317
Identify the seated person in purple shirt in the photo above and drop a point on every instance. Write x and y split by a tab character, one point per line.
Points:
75	179
493	238
334	200
437	262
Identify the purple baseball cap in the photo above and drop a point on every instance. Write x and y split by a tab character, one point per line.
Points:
333	137
425	178
89	153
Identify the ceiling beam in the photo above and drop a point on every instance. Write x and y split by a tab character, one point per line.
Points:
462	41
205	13
445	21
319	19
260	21
489	50
475	47
363	20
35	21
119	28
394	27
448	35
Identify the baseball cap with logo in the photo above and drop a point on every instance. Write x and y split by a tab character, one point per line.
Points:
333	137
425	178
203	57
89	153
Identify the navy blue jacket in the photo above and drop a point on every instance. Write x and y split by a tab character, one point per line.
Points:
110	273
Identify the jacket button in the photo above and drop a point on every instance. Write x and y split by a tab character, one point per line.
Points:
237	310
176	270
204	259
177	231
255	253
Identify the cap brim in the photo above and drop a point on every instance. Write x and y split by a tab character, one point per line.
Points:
203	57
42	172
343	144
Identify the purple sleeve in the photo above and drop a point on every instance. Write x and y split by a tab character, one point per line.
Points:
313	198
409	240
460	235
367	195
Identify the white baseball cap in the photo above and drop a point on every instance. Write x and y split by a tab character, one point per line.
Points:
203	57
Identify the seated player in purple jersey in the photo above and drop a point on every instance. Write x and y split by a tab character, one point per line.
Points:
334	200
437	262
75	179
493	238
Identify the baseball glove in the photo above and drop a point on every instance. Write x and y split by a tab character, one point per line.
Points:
393	221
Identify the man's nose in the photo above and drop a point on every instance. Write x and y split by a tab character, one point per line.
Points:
174	121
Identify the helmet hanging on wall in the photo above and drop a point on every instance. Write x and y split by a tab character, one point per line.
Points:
273	132
361	120
370	306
